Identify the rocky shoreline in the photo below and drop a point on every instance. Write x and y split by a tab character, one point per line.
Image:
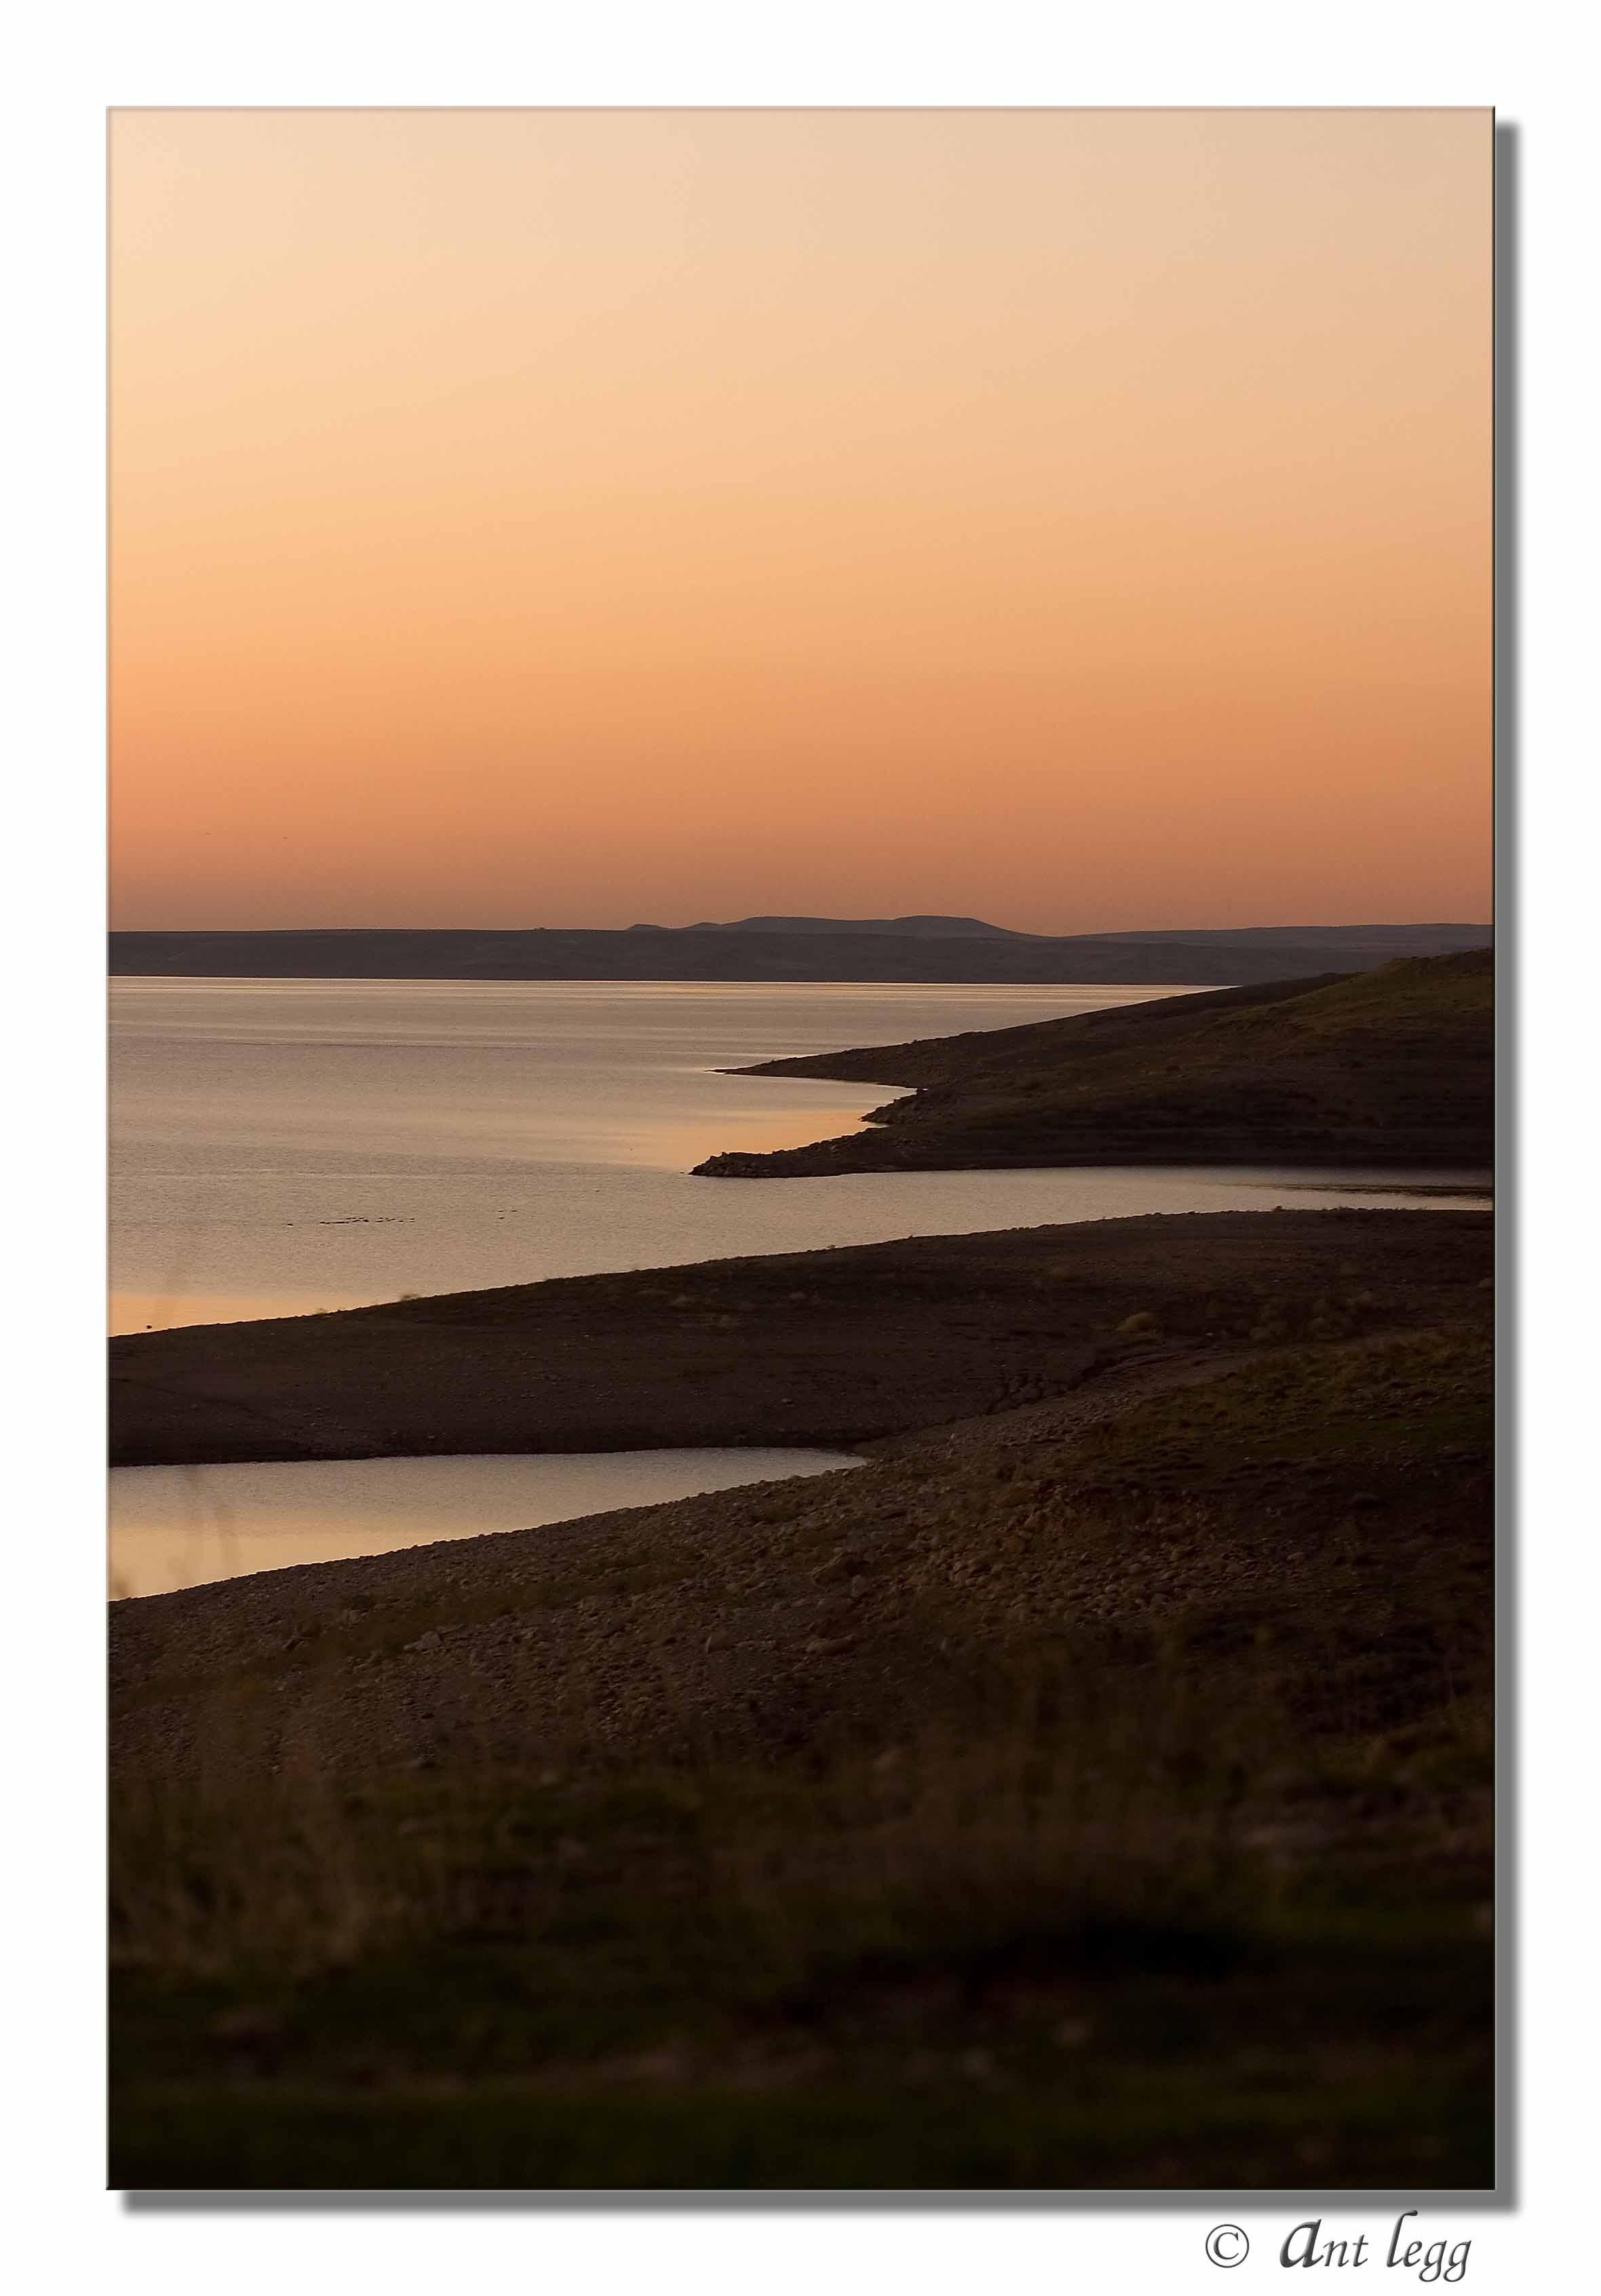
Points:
928	1356
1094	1788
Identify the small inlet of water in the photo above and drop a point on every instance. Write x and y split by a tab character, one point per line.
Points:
173	1527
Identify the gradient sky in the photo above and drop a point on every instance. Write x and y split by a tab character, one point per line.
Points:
1078	519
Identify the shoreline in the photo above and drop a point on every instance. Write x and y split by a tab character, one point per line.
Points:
871	1151
824	1350
1392	1068
1062	1760
1088	1732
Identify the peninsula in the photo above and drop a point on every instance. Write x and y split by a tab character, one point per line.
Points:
1390	1068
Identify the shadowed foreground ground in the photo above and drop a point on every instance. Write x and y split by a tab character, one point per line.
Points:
1094	1790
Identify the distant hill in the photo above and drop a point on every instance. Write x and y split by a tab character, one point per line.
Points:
913	928
1391	1067
797	948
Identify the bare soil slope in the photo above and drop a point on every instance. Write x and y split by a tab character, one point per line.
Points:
831	1349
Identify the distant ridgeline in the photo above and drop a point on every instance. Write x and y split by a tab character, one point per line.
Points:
791	948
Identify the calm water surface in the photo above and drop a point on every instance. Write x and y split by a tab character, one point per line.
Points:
281	1146
175	1527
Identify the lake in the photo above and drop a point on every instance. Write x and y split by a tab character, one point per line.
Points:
282	1146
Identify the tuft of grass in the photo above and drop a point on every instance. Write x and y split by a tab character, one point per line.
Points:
1110	1882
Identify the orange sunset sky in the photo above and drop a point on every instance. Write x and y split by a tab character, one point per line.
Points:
1081	520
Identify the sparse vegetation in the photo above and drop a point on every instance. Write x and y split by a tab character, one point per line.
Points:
826	1348
1392	1067
1149	1846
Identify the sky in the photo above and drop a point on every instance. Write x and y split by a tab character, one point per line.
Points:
1076	518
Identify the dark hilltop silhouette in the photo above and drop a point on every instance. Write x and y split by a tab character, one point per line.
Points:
924	948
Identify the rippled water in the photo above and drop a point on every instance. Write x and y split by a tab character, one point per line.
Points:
283	1147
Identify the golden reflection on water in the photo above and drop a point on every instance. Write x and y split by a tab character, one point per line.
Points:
682	1146
173	1526
286	1149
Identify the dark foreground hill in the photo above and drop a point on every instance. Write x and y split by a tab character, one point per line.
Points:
780	948
1092	1789
1390	1068
825	1349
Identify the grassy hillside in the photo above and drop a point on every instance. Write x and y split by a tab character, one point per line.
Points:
1391	1067
1054	1803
